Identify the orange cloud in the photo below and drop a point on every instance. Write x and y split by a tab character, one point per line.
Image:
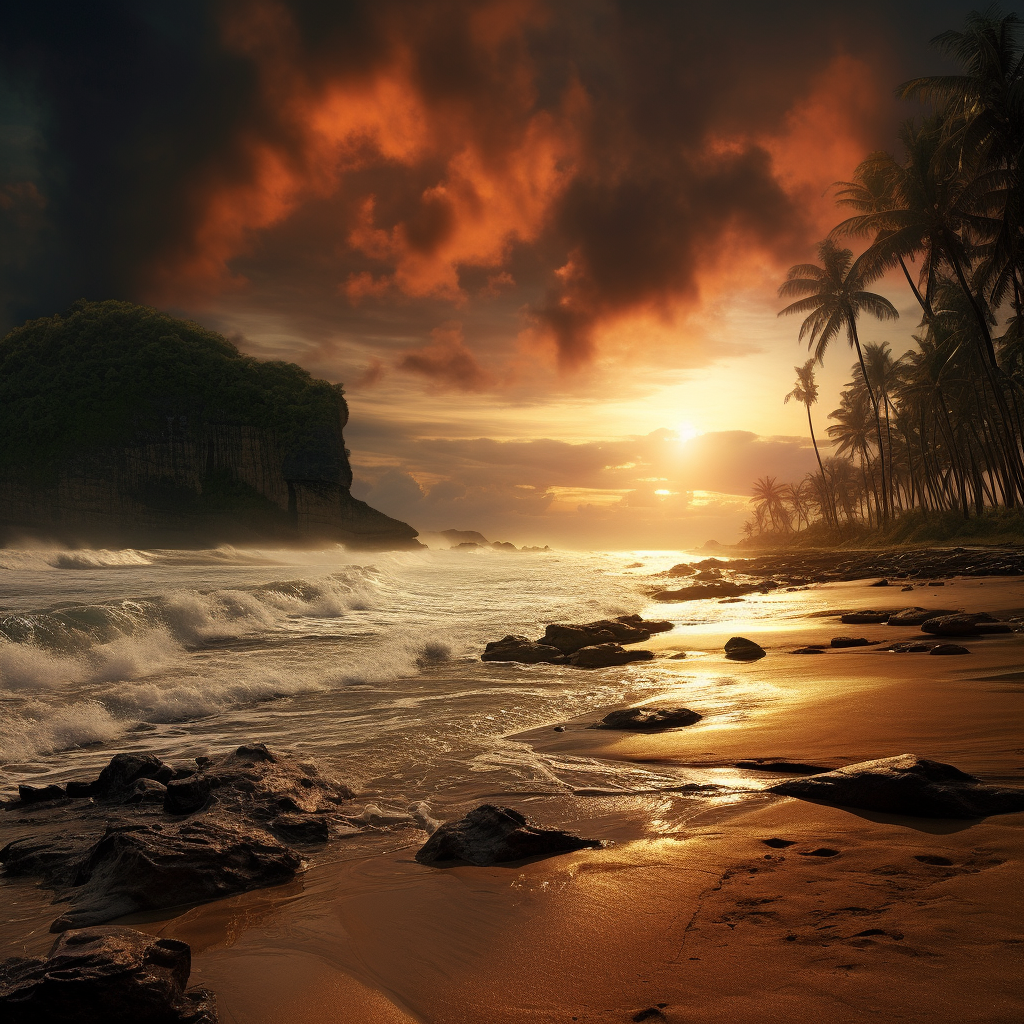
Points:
447	362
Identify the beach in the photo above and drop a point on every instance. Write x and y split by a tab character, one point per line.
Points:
691	914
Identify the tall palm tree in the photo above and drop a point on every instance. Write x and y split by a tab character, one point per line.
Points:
852	433
805	391
834	296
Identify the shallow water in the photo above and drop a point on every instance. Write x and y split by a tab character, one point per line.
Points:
368	662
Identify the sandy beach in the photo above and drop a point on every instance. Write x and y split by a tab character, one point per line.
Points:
692	915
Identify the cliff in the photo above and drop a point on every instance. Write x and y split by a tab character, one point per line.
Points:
124	426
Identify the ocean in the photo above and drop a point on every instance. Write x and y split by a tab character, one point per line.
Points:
368	662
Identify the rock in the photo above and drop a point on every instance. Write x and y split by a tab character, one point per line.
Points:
105	976
606	656
911	647
915	616
906	784
647	718
301	828
651	625
851	641
118	779
936	583
520	649
865	618
739	648
39	794
809	650
258	784
699	591
132	868
879	583
146	791
186	796
949	649
678	656
79	790
781	765
682	569
494	835
571	637
906	588
965	624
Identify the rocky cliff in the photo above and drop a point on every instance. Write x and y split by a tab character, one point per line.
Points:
122	425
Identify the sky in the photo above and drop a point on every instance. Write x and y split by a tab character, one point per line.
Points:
538	241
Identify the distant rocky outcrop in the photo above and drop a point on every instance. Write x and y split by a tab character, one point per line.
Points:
123	425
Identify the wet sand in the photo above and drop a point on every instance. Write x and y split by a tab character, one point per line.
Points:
862	918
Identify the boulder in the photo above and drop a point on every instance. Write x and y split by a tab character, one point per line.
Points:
682	569
606	656
864	618
40	794
133	868
495	835
146	791
879	583
906	784
700	591
739	648
520	649
965	624
258	784
105	976
651	625
648	718
915	616
118	779
912	647
780	765
571	637
302	828
948	649
851	641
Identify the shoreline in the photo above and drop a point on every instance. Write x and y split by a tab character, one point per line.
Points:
908	919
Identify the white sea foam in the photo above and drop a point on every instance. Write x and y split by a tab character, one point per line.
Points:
42	729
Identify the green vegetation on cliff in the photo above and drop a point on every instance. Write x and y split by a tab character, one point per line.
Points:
106	374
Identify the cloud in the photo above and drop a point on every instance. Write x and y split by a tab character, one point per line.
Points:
625	492
447	362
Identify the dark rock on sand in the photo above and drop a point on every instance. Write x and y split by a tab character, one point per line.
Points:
781	765
606	656
949	649
912	646
809	650
40	794
879	583
257	783
118	779
851	641
494	835
571	637
651	625
907	784
700	591
915	616
648	718
965	624
105	976
739	648
865	618
520	649
146	791
683	569
301	828
148	867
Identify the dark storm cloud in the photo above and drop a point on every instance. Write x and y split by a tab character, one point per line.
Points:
351	153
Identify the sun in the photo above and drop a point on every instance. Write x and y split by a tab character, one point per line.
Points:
687	432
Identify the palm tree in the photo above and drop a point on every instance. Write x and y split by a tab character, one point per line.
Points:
834	296
798	498
852	433
769	497
805	391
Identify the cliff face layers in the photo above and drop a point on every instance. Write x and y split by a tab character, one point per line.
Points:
124	426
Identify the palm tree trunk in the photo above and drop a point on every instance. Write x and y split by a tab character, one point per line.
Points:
884	516
817	455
